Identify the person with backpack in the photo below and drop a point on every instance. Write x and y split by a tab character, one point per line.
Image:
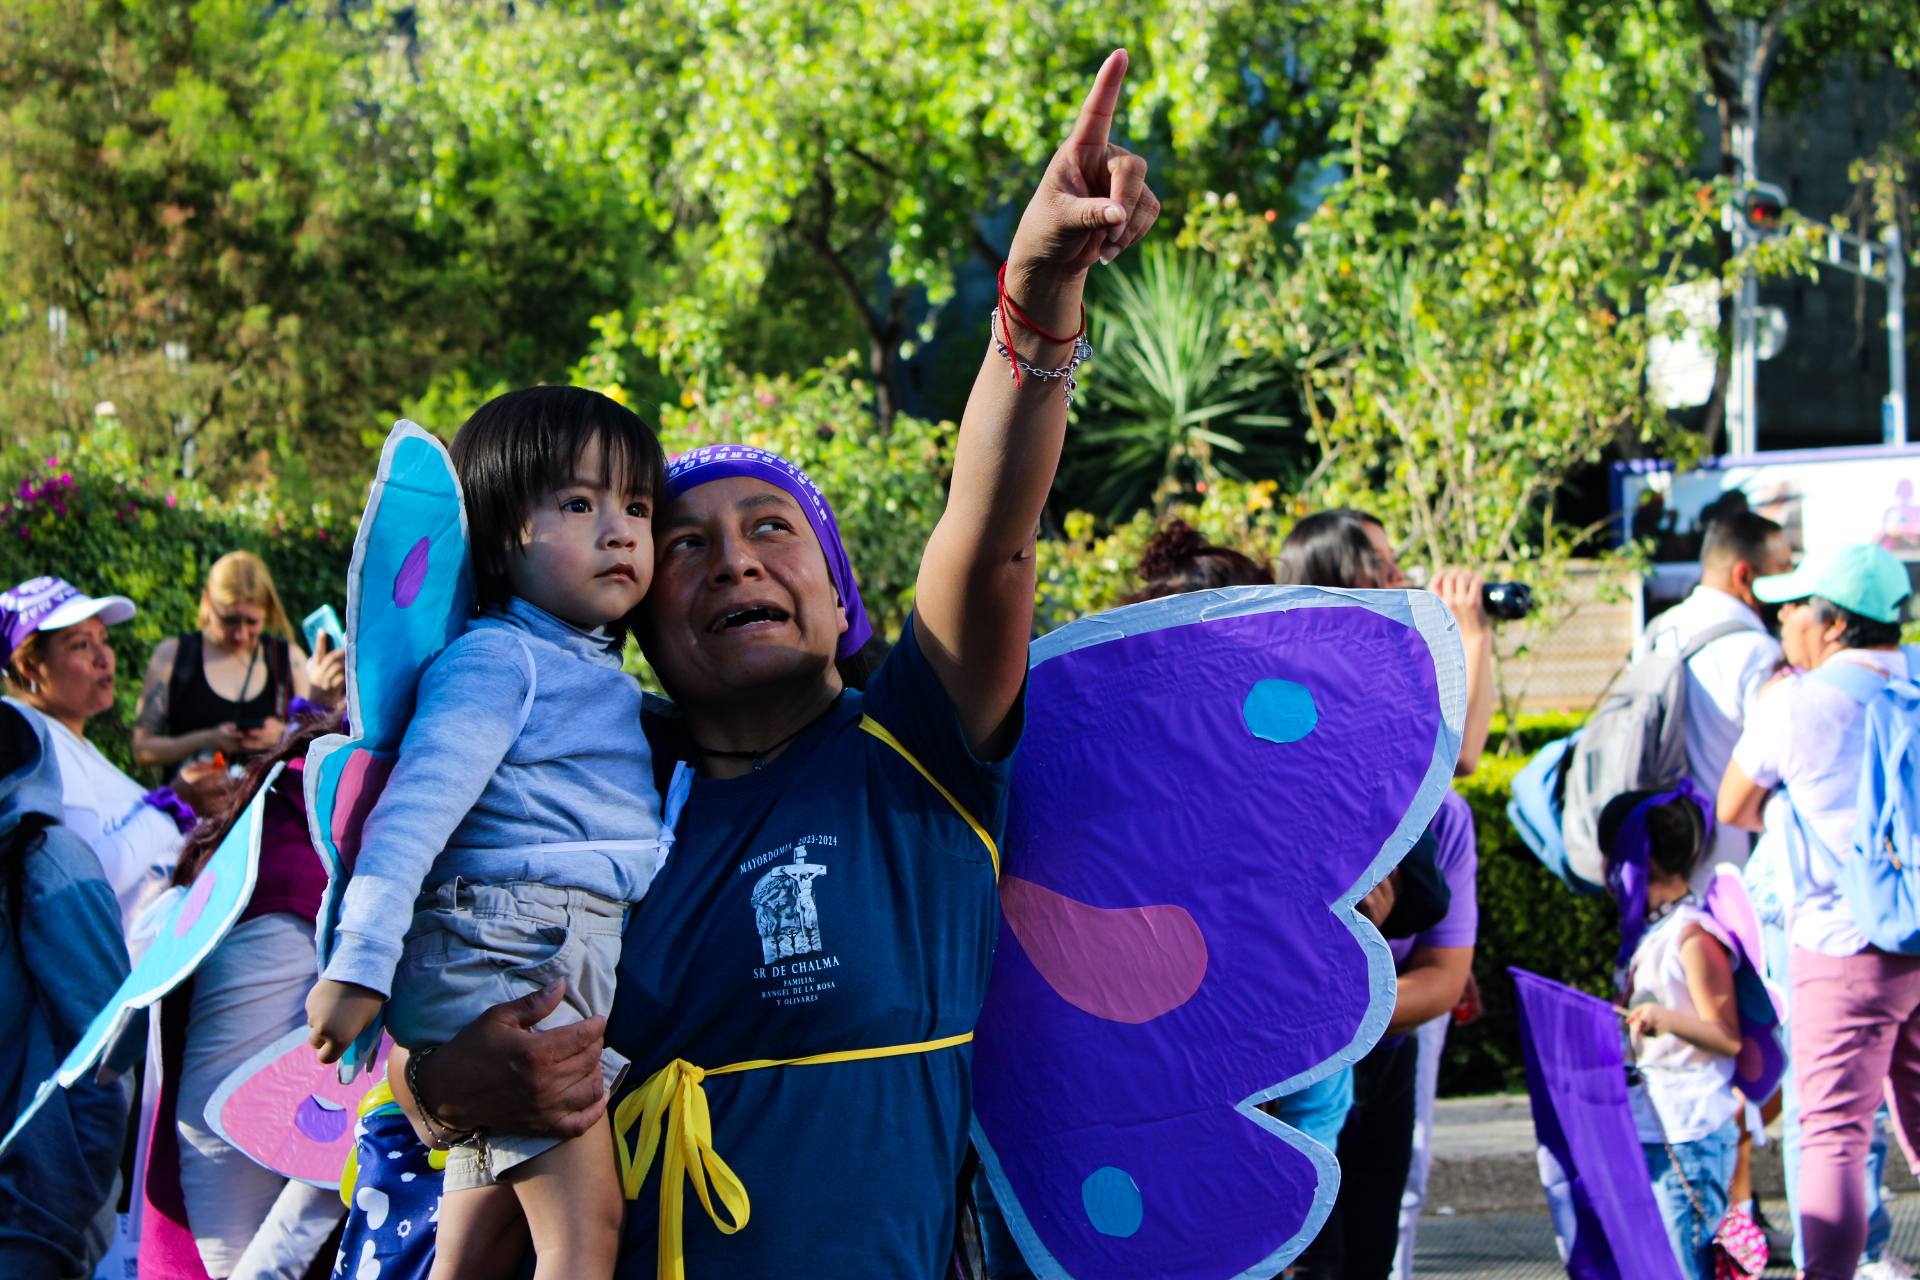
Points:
1676	711
1855	1006
1726	673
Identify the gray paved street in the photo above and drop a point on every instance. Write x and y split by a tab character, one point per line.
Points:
1486	1219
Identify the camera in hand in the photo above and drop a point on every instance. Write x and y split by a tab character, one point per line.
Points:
1508	601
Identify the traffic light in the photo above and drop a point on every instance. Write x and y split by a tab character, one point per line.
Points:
1762	207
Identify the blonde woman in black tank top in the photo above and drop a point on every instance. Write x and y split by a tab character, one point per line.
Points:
225	689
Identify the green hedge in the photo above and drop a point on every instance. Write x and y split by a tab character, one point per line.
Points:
96	519
1527	918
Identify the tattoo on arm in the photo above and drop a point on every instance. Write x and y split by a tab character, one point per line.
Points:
151	716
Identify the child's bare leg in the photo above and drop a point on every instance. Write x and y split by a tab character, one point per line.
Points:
482	1235
571	1197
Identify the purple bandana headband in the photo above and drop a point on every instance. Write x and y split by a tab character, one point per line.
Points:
1628	862
723	461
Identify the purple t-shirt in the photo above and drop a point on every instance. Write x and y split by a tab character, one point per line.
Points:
1458	860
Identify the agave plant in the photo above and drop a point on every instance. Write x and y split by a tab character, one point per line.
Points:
1169	404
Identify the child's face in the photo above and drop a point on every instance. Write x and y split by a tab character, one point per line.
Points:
588	553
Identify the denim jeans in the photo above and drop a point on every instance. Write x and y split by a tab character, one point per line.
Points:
1703	1167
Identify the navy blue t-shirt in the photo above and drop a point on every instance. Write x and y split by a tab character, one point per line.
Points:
832	900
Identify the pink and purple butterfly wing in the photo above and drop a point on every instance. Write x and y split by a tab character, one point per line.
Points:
1762	1059
287	1111
1206	787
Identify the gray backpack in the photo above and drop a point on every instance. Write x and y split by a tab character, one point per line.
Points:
1636	740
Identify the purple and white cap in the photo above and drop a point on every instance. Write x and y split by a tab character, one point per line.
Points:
47	604
723	461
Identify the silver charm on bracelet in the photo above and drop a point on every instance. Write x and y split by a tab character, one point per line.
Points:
1082	350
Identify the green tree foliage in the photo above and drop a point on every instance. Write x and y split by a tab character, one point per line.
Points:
207	219
1170	402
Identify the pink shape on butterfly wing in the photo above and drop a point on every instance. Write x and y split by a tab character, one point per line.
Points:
283	1115
412	575
1125	964
362	779
196	902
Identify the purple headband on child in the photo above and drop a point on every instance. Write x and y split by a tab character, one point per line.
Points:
722	461
1627	864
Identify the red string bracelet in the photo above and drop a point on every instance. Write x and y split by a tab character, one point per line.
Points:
1010	308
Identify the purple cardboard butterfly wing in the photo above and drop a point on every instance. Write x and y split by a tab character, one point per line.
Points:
1207	786
1762	1059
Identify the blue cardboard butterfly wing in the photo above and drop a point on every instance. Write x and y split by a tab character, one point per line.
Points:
1206	787
409	595
186	924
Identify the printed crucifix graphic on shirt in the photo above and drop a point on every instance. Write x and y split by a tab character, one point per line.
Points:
784	911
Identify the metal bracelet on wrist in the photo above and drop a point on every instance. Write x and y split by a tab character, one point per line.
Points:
1082	350
451	1135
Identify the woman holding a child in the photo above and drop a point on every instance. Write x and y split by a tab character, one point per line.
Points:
797	989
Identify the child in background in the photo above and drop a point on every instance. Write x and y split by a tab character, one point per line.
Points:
1681	1016
521	820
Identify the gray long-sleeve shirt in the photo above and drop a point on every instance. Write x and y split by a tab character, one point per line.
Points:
526	734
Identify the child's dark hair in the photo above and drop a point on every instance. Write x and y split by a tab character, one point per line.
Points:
521	446
206	838
1180	559
1676	831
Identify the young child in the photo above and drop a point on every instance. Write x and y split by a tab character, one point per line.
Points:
521	819
1681	1017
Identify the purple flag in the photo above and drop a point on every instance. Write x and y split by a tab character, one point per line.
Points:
1577	1077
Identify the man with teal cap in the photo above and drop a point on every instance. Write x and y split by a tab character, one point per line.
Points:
1854	1009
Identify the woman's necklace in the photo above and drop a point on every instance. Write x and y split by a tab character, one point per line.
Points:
759	757
1666	909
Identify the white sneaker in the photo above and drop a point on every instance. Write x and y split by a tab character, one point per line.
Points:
1887	1268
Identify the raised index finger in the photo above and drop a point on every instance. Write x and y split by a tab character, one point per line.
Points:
1096	113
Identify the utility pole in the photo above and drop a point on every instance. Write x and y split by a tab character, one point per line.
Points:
1743	418
1756	215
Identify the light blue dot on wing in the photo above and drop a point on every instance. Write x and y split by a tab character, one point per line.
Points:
1280	711
1112	1201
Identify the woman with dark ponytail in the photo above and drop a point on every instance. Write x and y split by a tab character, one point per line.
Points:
61	958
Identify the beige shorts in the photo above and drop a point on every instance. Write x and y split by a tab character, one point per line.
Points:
473	946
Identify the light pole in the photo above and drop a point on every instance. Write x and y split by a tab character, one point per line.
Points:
1743	418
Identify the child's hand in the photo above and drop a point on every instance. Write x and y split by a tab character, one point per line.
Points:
1650	1020
338	1012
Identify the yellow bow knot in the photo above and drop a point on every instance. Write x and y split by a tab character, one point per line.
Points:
672	1101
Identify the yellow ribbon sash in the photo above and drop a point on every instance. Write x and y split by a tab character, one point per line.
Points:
673	1104
673	1099
879	731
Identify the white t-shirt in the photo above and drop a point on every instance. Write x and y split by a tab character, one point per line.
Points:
1688	1092
1723	680
136	843
1807	738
